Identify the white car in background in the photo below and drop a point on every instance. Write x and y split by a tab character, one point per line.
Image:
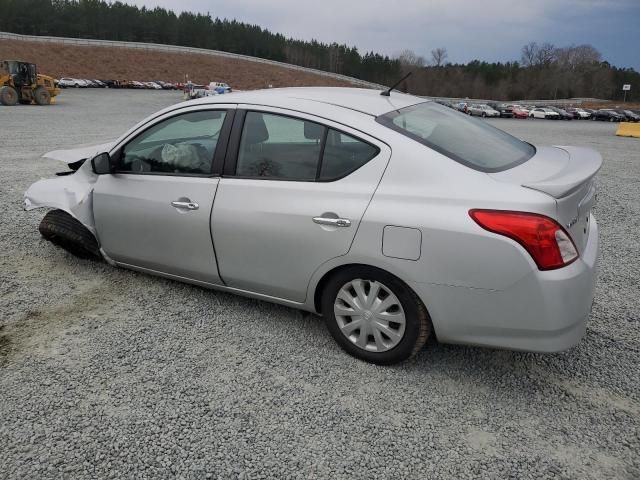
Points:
580	113
541	112
68	82
390	215
482	110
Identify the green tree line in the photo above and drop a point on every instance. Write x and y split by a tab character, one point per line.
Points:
99	19
544	71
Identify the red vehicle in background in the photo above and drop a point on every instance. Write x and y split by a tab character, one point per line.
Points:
519	112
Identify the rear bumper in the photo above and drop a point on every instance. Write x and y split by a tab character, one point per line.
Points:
542	312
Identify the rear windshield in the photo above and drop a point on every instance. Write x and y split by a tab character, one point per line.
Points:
462	138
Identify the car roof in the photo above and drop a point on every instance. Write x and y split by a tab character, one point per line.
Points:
362	100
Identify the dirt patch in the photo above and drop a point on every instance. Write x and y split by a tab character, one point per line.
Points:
117	63
48	331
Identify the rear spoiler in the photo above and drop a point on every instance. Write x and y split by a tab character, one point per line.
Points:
583	164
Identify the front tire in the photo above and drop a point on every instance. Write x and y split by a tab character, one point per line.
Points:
374	316
8	96
42	96
63	230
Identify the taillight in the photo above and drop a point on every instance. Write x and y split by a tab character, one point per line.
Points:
546	241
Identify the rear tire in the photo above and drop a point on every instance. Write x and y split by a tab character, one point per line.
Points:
8	96
42	96
63	230
403	340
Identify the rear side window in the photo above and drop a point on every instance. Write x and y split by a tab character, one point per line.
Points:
344	154
282	147
467	140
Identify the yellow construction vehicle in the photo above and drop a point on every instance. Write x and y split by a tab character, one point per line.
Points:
20	82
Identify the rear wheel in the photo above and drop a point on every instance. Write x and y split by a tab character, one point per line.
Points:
8	96
63	230
42	96
374	316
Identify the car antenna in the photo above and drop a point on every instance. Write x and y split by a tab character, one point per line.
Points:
387	93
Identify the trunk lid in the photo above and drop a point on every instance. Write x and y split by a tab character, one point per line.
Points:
568	175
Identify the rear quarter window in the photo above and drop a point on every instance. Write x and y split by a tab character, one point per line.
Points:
467	140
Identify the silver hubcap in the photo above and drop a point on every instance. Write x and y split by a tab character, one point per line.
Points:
369	315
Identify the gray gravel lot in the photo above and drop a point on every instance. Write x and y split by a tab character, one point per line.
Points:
106	373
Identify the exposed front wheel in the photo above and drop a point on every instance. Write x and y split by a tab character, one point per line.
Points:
374	316
63	230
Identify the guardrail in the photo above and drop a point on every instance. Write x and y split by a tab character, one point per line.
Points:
158	47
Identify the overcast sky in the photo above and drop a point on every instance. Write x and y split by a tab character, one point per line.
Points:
491	30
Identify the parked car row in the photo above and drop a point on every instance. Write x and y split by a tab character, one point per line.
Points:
616	115
68	82
511	110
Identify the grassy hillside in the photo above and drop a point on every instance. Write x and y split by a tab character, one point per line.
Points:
60	60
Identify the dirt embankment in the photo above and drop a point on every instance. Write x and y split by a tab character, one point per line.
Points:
117	63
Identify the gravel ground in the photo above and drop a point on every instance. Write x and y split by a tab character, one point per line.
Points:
106	373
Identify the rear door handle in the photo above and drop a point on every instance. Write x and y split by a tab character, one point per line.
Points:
334	222
187	205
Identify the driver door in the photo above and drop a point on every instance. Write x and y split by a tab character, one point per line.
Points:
153	212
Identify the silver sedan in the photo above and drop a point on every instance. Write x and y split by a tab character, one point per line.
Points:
393	217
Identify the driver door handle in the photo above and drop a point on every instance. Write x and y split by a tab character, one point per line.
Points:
186	205
334	222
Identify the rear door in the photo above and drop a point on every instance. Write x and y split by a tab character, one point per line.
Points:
293	193
154	212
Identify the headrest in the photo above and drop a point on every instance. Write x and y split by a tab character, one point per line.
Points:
255	130
313	131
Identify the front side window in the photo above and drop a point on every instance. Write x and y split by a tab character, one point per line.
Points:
281	147
184	144
472	142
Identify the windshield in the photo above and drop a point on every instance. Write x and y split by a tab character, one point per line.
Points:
464	139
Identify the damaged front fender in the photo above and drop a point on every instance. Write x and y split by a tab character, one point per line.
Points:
71	193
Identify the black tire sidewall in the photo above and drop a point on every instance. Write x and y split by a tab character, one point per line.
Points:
407	298
42	96
63	230
14	93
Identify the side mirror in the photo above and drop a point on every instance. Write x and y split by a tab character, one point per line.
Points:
101	164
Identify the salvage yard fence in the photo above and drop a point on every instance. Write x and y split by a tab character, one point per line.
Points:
158	47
